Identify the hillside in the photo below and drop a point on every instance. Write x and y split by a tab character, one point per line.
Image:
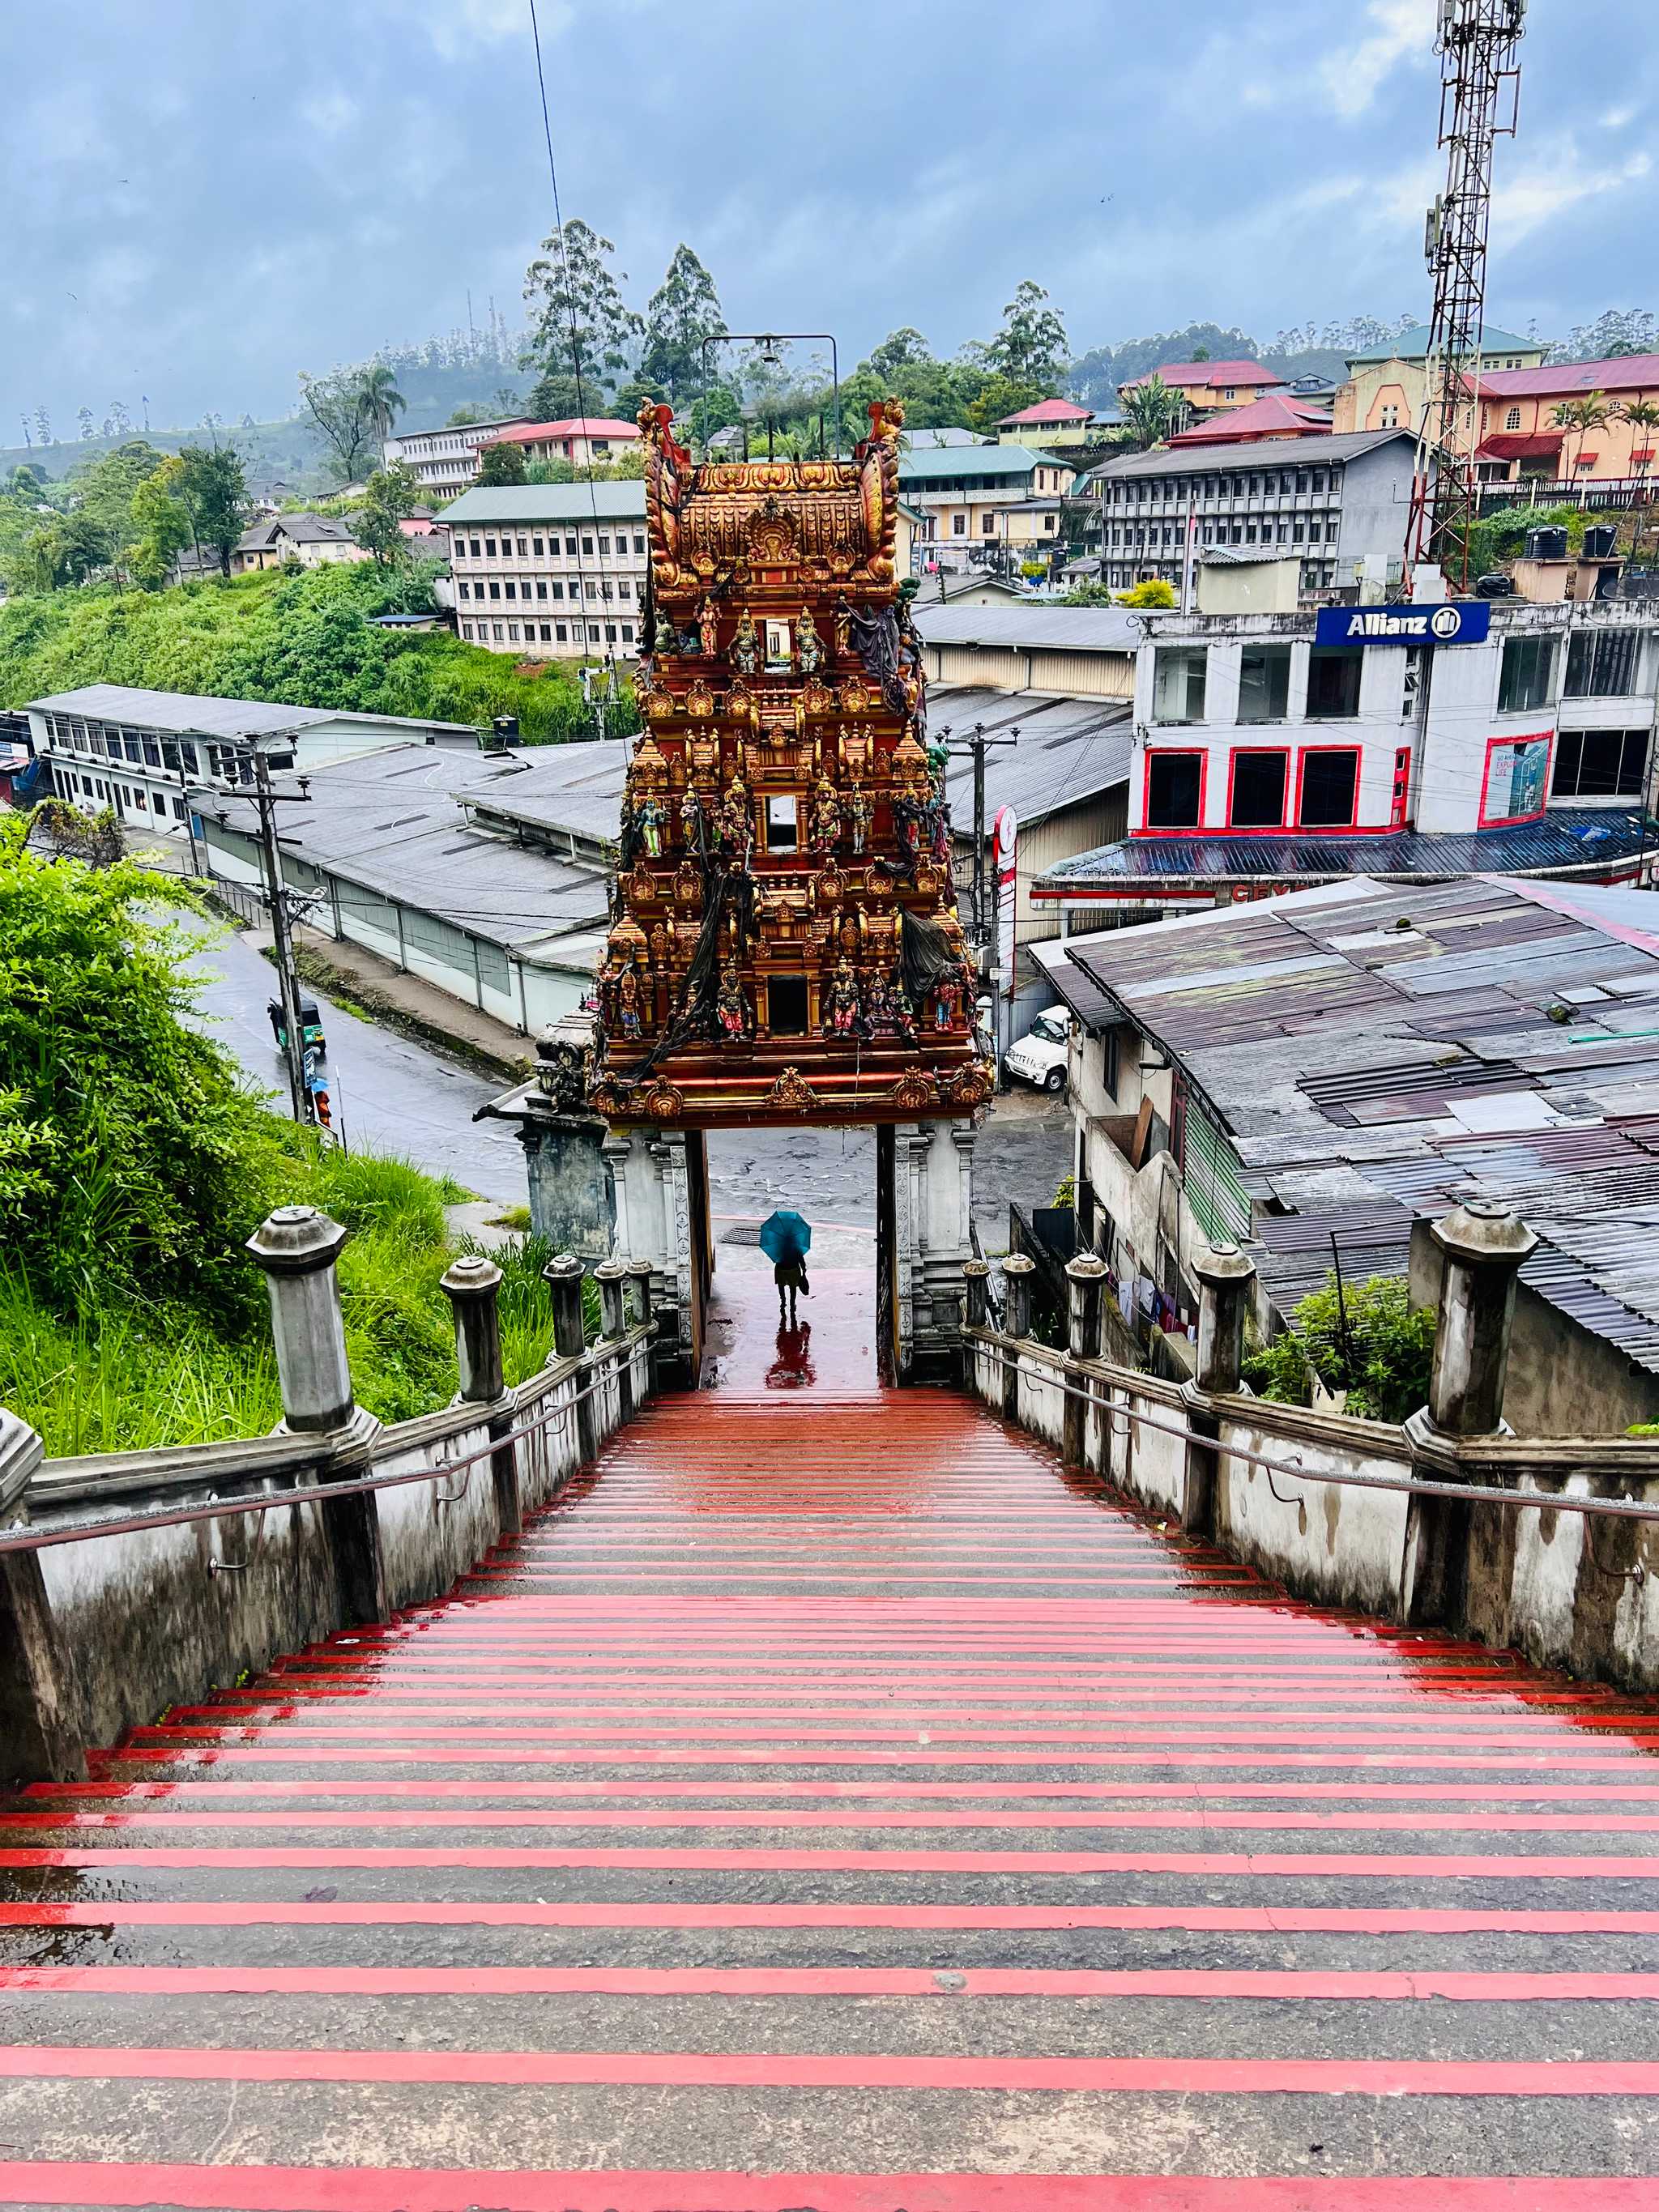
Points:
301	641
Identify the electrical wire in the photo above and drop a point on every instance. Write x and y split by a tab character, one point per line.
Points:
608	657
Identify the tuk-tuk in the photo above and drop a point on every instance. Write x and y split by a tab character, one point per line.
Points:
311	1025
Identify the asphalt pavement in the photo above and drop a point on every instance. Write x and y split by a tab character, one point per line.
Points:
396	1094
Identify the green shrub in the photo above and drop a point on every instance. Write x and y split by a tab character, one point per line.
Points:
1370	1342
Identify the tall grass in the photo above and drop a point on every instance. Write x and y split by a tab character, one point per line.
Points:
121	1376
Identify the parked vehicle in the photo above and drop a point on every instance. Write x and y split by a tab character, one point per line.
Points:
1039	1057
311	1024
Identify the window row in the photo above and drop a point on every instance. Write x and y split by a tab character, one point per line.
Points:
136	800
1327	789
544	546
1599	764
485	633
1272	483
1601	664
1181	683
498	589
1316	530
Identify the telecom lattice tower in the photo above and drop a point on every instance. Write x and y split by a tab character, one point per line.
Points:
1479	101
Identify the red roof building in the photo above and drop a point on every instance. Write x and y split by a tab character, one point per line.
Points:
598	430
1062	411
1272	416
1521	437
1209	384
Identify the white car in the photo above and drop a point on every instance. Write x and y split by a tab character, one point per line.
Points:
1039	1058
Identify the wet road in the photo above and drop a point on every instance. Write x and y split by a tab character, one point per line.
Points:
396	1095
389	1093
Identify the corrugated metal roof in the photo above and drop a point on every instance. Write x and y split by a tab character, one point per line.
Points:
1067	751
531	503
1568	837
392	822
1346	1037
1201	461
1032	629
925	466
192	714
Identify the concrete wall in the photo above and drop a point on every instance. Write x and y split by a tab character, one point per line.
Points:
157	1617
1573	1593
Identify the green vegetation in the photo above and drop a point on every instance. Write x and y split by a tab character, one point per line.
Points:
301	641
135	1164
1498	537
1368	1340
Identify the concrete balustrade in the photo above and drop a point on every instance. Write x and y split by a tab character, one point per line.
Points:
1572	1592
106	1631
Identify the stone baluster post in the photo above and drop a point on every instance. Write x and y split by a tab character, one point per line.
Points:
298	1249
473	1285
977	1308
643	1275
1483	1245
611	1276
1017	1272
39	1730
1226	1283
1085	1277
564	1277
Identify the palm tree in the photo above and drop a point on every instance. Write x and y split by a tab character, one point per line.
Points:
1642	416
1582	418
382	401
1154	412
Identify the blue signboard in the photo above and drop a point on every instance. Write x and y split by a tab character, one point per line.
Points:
1465	622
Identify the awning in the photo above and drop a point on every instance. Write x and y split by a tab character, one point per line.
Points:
1514	446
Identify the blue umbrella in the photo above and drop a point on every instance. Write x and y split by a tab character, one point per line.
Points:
785	1236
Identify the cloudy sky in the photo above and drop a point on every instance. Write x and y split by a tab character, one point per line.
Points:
204	196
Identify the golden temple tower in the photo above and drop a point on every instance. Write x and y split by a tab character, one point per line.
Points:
786	944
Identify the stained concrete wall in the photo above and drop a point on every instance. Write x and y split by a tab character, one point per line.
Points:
1571	1592
146	1618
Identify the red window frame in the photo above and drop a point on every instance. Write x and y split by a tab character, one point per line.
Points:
1329	829
1257	829
1200	753
1400	802
1486	821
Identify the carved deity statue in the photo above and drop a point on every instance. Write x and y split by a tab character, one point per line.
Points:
709	629
691	820
861	812
745	655
841	1003
809	645
650	817
629	998
826	818
731	1006
733	822
843	625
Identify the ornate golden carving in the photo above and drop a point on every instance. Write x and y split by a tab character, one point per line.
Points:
793	1092
969	1087
664	1101
916	1090
700	701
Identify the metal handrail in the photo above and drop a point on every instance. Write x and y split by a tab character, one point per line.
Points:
320	1494
1466	1493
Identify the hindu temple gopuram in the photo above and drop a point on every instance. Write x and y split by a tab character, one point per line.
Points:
785	943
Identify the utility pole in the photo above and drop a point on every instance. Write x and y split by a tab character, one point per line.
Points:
265	801
975	747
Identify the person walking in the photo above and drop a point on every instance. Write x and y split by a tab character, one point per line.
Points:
790	1276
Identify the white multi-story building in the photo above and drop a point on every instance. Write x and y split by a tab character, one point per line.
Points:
149	756
446	461
1265	760
549	572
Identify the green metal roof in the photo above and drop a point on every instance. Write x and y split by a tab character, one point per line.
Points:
612	502
1414	345
931	466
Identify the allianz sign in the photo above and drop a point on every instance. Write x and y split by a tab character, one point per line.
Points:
1468	622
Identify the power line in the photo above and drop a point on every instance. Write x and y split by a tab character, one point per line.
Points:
569	301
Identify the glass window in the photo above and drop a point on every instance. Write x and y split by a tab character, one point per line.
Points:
1258	795
570	545
557	589
464	588
466	630
1174	786
547	632
489	547
512	589
1178	683
1264	684
604	548
639	544
1524	681
1599	765
539	545
562	631
587	548
628	633
1334	681
1601	664
524	548
477	550
1330	783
